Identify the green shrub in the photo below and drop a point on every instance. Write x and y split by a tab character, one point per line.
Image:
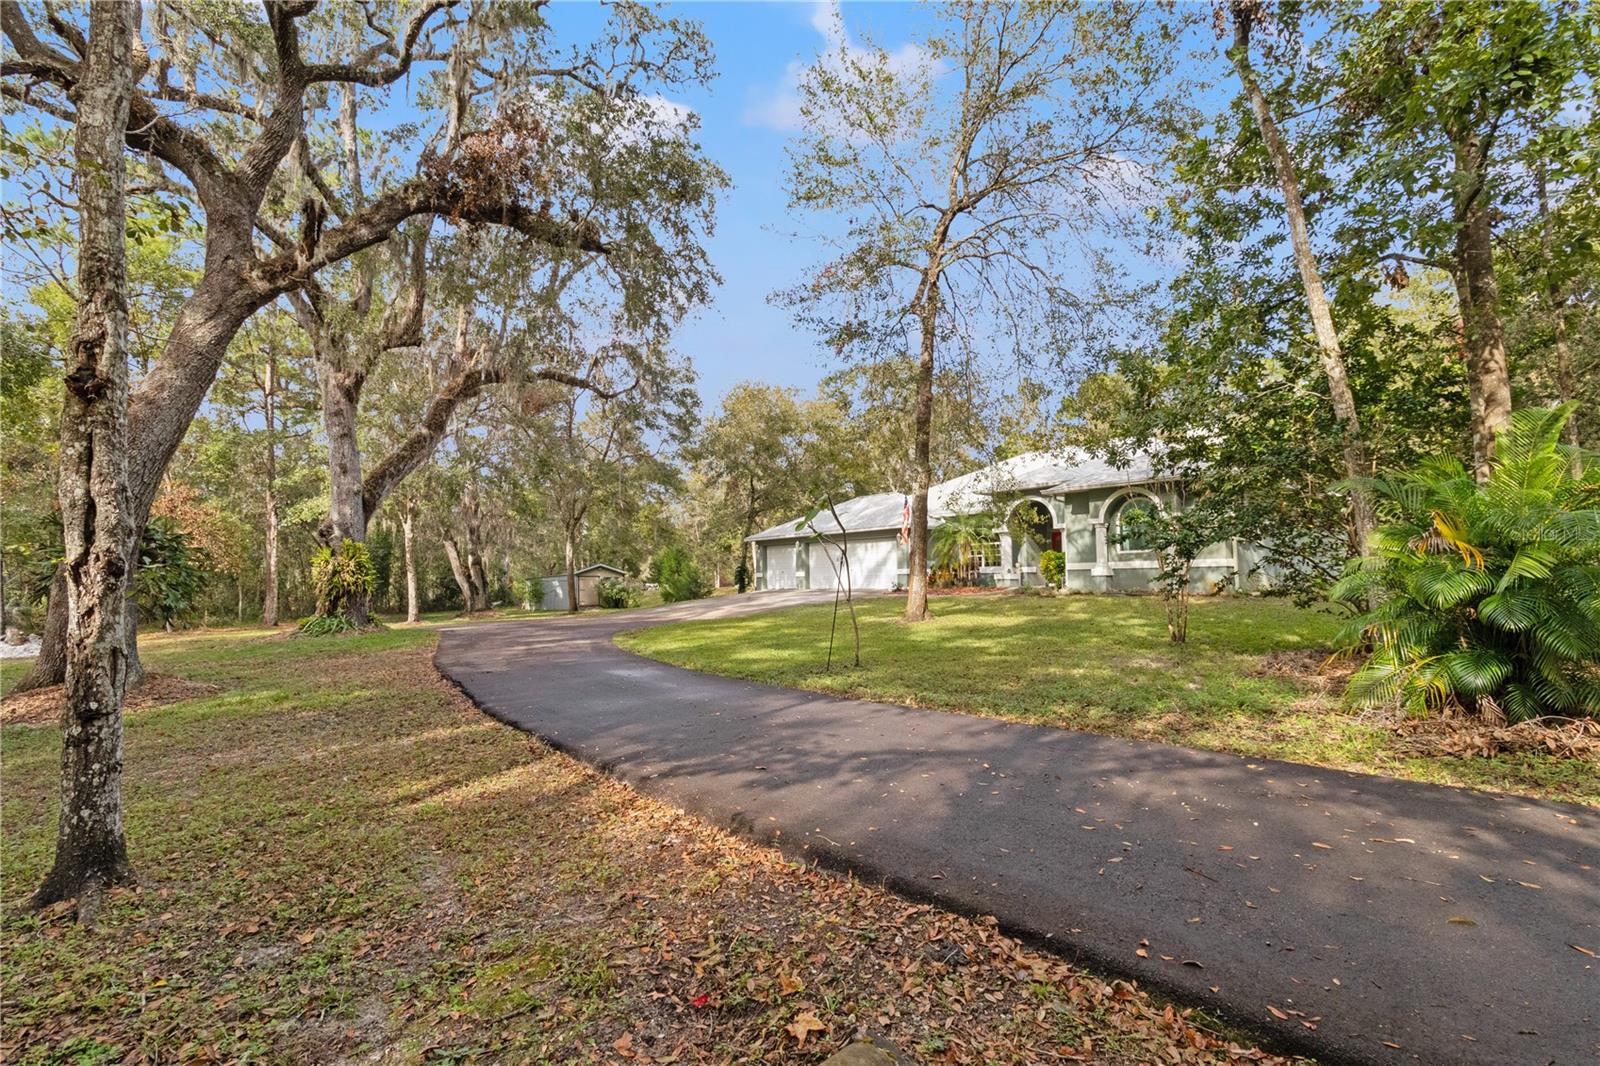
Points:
1177	538
680	579
1485	598
1053	567
326	625
615	592
172	573
530	591
342	577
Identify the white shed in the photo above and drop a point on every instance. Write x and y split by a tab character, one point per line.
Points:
589	578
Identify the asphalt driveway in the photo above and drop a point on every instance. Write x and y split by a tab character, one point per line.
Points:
1351	917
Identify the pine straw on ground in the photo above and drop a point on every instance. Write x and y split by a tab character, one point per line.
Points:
1563	738
344	861
1317	670
42	706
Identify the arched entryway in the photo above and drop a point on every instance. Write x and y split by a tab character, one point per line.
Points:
1030	530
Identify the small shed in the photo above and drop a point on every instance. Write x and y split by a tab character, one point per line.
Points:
589	578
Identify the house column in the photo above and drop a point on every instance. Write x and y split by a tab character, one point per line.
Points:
1102	558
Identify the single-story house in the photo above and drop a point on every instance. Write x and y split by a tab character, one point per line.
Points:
589	578
1081	499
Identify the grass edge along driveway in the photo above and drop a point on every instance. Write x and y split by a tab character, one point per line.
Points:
342	860
1253	679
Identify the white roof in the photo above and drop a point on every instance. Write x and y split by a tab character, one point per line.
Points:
881	510
1048	473
585	570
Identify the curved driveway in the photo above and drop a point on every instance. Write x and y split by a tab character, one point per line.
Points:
1384	921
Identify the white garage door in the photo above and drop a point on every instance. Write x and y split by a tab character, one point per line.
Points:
872	564
780	566
821	568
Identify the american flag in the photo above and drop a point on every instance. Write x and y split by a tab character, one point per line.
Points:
905	522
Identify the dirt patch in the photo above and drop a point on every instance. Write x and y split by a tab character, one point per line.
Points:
43	706
1315	669
1563	738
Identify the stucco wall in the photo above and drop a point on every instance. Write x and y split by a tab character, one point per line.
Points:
1088	523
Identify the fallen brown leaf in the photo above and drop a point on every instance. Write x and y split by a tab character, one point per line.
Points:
803	1026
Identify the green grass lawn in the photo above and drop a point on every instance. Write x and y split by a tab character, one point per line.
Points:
1247	681
340	860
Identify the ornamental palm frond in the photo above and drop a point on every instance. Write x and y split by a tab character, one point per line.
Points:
958	544
1485	597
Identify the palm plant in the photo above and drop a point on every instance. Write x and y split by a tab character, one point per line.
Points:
1485	598
958	544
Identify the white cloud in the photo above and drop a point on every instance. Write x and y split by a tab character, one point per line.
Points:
669	112
779	107
653	115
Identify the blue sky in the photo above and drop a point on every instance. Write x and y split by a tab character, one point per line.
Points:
747	116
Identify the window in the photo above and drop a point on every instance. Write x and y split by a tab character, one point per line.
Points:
1132	543
989	553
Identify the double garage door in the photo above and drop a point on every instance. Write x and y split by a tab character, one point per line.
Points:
873	564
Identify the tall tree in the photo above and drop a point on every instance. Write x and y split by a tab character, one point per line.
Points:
1449	111
1357	462
599	452
219	141
962	177
512	310
96	512
259	457
749	453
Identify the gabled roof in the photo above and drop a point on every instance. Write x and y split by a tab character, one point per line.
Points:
1052	473
587	569
879	511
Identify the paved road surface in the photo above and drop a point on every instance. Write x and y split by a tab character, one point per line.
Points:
1435	919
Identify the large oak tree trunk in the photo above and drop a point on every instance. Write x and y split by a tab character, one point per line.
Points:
50	668
476	570
159	414
922	461
1357	462
96	511
341	393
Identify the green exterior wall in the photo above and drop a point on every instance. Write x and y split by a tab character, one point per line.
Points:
1087	522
